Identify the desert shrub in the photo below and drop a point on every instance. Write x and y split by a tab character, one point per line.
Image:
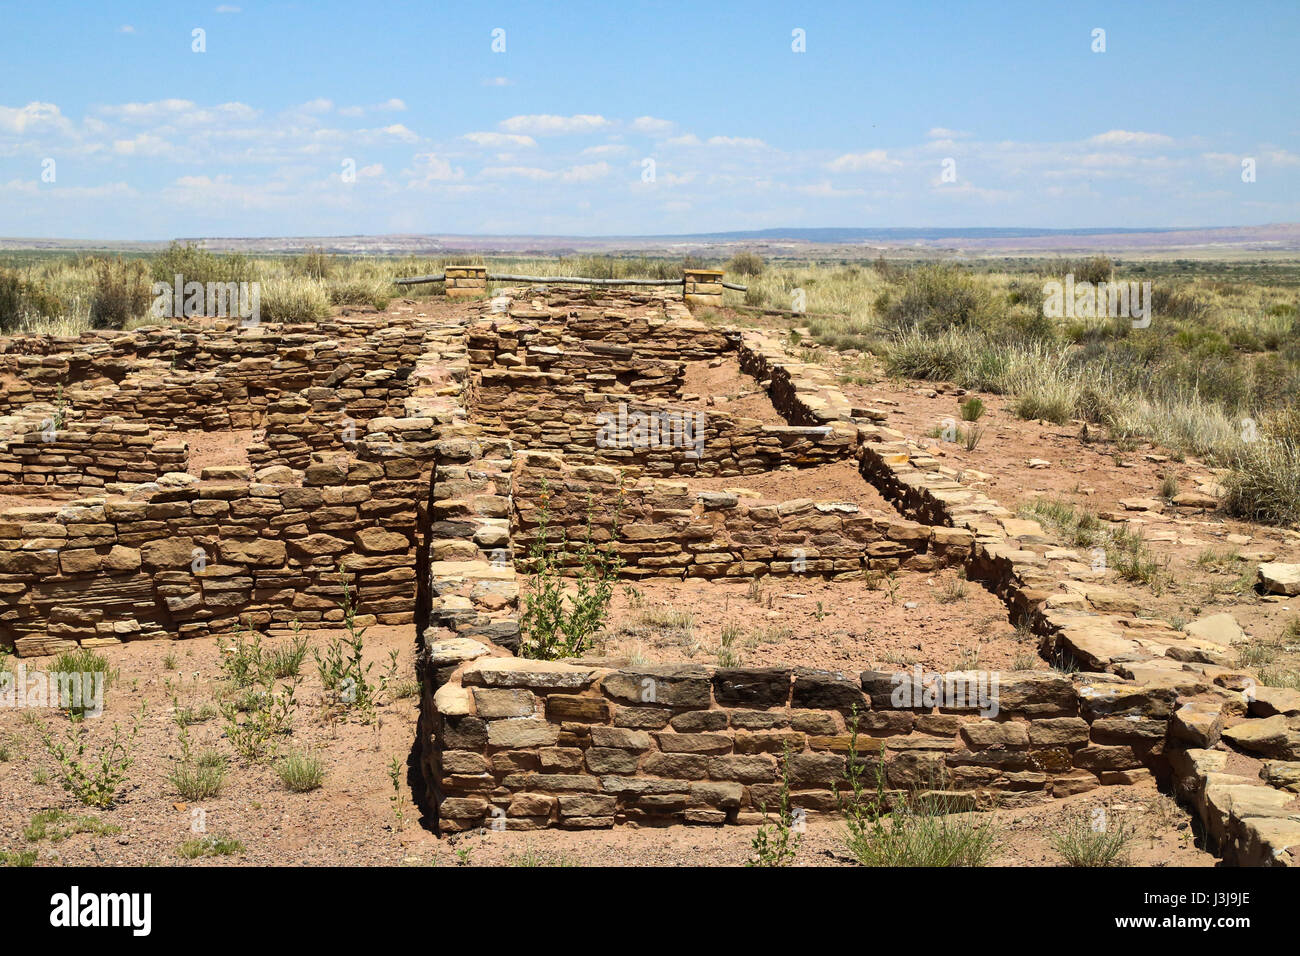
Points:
934	358
1085	842
343	672
374	292
11	300
776	844
315	263
300	772
1263	484
972	409
293	300
193	263
56	825
1094	269
938	298
1170	303
82	661
286	661
745	264
556	624
926	829
1052	401
197	776
94	780
254	725
121	293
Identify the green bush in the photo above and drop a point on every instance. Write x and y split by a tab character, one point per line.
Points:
556	624
293	300
745	264
300	772
1264	482
193	263
121	293
937	298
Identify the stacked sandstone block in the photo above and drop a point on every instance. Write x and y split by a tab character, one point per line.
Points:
666	332
596	367
466	281
468	585
199	557
803	393
703	287
220	377
86	457
522	744
664	529
541	410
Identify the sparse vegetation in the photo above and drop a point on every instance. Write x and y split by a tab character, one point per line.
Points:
93	779
210	845
300	772
1092	840
559	621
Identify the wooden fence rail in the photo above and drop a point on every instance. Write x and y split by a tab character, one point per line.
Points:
569	280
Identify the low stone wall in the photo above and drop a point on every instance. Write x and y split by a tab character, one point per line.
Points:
595	366
222	377
195	559
519	744
663	331
87	457
803	393
663	529
543	411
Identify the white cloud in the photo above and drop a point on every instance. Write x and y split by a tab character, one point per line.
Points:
498	81
1280	157
652	126
126	28
741	142
875	160
1123	137
690	139
398	131
143	144
499	140
607	149
826	191
227	8
431	168
940	132
574	174
546	124
34	116
321	105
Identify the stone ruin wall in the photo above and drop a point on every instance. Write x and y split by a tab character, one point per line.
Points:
664	529
521	744
423	505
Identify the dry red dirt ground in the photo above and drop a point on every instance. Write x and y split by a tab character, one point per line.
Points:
837	481
353	818
937	621
721	385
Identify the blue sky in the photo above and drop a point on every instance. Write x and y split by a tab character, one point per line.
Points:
346	118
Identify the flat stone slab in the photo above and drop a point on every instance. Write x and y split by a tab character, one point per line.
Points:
520	672
1219	628
1278	578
